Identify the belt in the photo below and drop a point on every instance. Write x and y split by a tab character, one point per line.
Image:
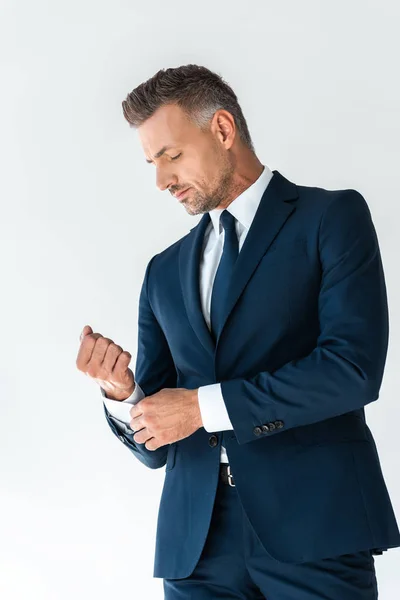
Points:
226	475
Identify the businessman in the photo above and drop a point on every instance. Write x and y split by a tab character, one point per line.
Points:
262	335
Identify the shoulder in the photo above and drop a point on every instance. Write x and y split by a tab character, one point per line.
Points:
316	203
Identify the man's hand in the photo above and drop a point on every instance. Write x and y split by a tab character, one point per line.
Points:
106	363
166	417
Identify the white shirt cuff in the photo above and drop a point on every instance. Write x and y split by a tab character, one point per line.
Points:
212	408
120	409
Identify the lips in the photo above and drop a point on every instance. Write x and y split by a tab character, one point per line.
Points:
181	194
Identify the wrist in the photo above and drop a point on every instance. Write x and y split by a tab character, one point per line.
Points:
119	395
195	397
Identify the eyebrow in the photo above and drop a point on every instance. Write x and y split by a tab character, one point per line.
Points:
160	153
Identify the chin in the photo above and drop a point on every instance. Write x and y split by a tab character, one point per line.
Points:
190	210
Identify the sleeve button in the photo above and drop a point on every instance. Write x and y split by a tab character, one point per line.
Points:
271	426
265	428
279	424
257	430
213	441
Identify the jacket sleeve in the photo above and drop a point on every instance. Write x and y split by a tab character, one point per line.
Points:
344	371
155	370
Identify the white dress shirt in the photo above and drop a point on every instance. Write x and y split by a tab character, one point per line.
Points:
212	407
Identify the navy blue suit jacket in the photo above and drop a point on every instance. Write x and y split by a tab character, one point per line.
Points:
301	352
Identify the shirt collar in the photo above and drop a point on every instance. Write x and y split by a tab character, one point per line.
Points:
245	206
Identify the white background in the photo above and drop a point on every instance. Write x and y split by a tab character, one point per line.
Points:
81	217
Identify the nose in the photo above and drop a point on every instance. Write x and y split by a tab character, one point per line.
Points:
164	180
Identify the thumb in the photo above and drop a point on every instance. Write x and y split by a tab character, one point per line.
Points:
86	330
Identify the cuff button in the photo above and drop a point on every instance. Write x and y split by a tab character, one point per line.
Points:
213	441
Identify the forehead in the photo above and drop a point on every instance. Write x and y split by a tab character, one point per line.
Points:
168	126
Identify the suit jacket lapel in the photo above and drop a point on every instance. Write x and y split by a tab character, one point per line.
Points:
271	215
189	272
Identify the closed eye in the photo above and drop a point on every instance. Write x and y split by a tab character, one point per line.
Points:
175	157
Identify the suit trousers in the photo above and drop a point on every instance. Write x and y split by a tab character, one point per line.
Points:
234	564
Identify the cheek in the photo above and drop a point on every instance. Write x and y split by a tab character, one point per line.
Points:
205	169
187	174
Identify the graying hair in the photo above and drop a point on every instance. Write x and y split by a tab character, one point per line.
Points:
195	89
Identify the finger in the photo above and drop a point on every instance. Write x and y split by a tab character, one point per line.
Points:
152	444
111	356
136	410
85	331
136	424
121	363
86	350
142	436
139	408
99	351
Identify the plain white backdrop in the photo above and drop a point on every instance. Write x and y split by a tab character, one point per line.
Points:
81	217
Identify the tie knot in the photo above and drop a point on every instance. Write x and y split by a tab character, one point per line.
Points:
227	220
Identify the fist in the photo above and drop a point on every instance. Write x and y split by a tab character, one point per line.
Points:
106	363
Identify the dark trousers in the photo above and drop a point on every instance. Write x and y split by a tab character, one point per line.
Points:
234	564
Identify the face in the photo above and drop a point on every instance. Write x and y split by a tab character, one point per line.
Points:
201	161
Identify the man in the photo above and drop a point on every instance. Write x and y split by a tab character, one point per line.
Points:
262	335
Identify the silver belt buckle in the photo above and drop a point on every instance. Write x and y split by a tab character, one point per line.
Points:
230	476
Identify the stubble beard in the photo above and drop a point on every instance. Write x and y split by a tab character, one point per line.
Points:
200	202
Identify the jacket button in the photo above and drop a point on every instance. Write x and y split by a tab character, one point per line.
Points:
271	426
265	428
279	424
213	441
257	430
